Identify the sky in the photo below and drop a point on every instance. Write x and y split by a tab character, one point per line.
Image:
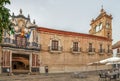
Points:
68	15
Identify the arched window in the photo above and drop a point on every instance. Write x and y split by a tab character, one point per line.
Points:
97	28
107	24
100	26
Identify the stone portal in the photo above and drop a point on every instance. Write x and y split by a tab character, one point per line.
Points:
20	63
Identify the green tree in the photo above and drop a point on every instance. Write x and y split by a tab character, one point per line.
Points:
5	23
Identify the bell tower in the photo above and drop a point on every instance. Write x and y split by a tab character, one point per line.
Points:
102	25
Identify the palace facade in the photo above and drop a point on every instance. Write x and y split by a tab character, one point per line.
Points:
30	48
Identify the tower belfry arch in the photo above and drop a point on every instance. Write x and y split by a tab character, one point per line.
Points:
102	25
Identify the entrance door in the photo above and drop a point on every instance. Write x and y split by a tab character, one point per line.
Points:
20	62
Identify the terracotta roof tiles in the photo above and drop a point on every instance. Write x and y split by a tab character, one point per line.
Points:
70	33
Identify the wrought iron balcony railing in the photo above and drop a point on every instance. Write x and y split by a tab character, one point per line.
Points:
91	50
118	52
32	45
76	50
101	51
109	51
55	49
6	40
12	44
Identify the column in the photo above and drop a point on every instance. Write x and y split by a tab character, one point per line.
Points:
10	61
30	62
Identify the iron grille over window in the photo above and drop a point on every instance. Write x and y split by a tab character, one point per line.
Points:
118	51
101	50
54	45
75	46
109	49
90	47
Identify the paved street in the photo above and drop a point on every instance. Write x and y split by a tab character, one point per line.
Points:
51	77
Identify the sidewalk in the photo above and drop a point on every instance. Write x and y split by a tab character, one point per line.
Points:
50	77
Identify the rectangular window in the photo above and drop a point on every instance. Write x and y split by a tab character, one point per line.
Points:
21	41
118	51
101	48
75	46
54	45
90	47
18	41
108	48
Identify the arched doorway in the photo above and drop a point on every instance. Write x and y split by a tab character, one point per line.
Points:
20	63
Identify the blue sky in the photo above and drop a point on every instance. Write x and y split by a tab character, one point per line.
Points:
69	15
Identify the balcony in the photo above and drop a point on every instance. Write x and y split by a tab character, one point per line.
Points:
76	50
91	51
101	51
118	52
33	46
12	44
56	50
8	41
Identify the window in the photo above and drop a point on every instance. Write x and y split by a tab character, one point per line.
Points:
54	45
21	41
97	28
118	51
75	46
90	47
100	26
108	48
18	42
107	24
100	48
